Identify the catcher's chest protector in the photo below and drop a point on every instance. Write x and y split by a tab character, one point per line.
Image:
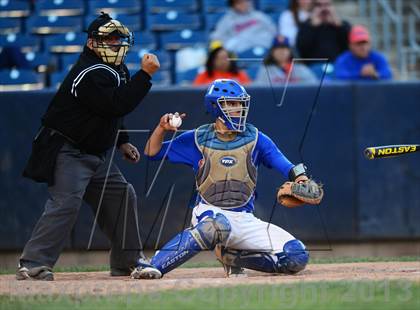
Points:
226	176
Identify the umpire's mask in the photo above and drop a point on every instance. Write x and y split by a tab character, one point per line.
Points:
111	39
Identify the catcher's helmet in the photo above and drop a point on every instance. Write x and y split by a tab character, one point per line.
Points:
111	39
217	99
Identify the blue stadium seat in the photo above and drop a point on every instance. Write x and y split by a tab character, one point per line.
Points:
68	60
41	62
25	42
319	68
57	78
213	6
60	7
251	56
14	8
186	77
133	59
173	20
274	16
132	22
144	40
114	6
252	70
179	39
160	78
212	19
273	5
53	24
10	25
18	80
69	42
160	6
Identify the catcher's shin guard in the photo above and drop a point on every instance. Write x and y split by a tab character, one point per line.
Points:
293	259
204	236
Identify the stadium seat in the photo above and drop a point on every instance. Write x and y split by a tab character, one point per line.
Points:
68	60
10	25
251	57
133	59
212	19
53	24
41	62
57	78
60	7
179	39
18	80
14	8
173	20
131	21
273	5
144	40
213	6
114	6
160	78
319	68
26	43
186	77
160	6
252	70
69	42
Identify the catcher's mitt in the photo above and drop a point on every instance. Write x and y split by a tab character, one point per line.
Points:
293	194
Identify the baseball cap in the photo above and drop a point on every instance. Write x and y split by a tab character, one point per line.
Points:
280	41
359	33
98	22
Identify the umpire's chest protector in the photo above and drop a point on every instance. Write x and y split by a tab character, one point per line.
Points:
226	177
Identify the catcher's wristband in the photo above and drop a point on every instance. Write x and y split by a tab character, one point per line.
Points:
296	171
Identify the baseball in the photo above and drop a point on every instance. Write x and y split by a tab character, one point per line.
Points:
175	120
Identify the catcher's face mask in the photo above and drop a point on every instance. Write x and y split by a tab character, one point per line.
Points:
235	111
111	42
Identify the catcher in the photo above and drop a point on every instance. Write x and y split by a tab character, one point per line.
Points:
225	157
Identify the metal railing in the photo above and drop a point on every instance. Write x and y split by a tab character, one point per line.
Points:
386	22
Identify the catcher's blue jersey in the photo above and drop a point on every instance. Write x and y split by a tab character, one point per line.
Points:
184	150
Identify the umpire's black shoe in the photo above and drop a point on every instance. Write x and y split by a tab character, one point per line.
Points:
42	273
120	272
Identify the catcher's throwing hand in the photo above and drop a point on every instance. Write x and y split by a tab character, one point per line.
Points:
130	152
164	122
303	191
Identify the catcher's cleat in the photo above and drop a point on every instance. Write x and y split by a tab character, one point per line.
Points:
42	273
230	271
144	270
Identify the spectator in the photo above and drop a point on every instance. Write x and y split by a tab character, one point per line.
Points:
278	66
361	62
242	27
324	35
290	20
218	66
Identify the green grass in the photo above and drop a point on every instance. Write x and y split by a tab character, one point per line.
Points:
382	295
217	264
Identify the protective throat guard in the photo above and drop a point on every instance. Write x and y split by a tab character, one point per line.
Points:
226	177
112	53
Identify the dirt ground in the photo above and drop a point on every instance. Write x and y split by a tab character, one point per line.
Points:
100	283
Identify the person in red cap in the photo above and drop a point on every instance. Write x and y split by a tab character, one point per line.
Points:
361	62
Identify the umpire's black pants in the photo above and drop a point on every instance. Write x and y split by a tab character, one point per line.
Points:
78	177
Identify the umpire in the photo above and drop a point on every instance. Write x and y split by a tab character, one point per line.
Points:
69	153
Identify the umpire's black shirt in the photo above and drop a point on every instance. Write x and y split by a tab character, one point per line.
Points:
91	102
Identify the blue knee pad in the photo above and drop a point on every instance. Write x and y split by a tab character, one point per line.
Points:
205	235
294	257
211	231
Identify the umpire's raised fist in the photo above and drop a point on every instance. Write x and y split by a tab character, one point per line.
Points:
150	63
